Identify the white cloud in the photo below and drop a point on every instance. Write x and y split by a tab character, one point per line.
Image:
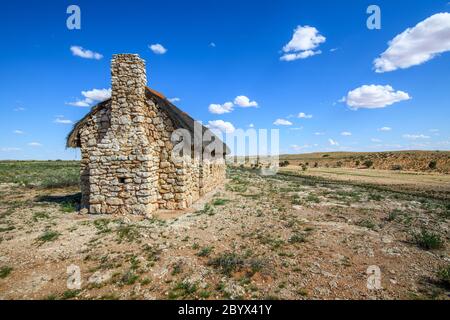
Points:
373	97
319	133
385	129
19	109
301	55
79	103
346	134
415	136
296	128
282	122
333	142
244	102
227	107
212	44
97	94
91	96
375	140
300	148
35	144
18	132
62	120
157	48
221	125
9	149
303	115
416	45
303	44
175	99
84	53
251	125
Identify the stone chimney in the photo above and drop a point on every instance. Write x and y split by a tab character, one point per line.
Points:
128	88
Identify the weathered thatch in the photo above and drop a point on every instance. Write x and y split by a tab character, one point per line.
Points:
180	119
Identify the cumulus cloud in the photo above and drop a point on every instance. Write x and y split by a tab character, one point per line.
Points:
244	102
373	97
303	115
416	45
35	144
62	120
300	148
385	129
221	125
319	133
175	99
227	107
91	96
333	142
9	149
282	122
85	53
415	136
346	134
251	125
18	132
157	48
303	44
97	94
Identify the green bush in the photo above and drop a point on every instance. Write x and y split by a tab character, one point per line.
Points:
432	165
368	163
428	240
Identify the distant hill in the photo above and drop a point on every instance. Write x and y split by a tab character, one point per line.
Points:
438	161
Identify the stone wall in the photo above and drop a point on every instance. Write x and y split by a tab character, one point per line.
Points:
126	164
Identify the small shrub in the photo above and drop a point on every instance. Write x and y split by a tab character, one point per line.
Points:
297	238
47	236
284	163
444	276
368	163
182	290
367	224
220	202
129	278
5	271
432	165
396	167
227	262
70	294
428	240
316	164
339	164
393	215
205	252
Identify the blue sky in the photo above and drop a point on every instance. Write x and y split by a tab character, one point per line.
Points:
219	50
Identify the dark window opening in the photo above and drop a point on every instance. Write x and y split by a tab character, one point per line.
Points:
121	180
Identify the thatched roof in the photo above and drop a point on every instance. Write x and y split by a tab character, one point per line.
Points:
180	119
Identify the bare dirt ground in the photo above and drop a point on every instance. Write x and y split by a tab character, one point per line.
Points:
435	184
277	237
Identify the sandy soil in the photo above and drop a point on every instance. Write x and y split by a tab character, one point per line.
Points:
256	237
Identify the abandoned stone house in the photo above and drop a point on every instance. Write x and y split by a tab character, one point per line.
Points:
126	142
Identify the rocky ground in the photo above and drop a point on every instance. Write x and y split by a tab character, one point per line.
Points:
256	237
